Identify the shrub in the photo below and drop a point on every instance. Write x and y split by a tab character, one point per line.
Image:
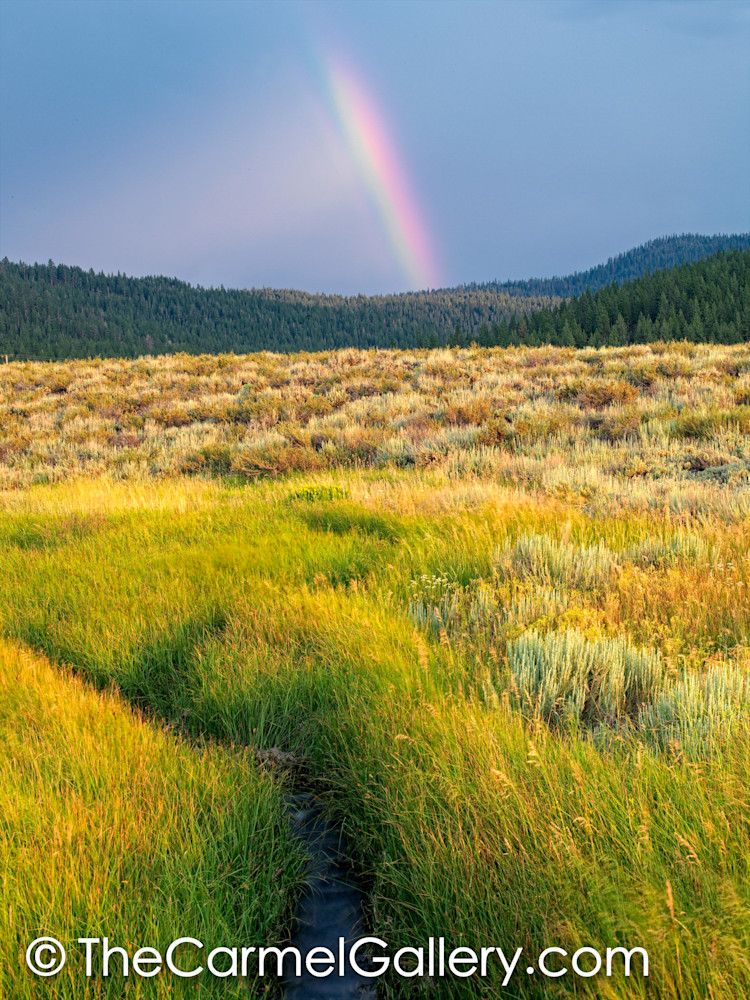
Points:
685	548
276	460
698	710
468	411
498	430
313	406
556	563
212	458
693	424
642	375
540	425
597	395
395	451
738	418
564	677
176	416
617	425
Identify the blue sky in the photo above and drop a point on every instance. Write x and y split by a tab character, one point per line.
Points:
200	140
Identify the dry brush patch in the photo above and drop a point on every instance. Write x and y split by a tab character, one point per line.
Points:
590	424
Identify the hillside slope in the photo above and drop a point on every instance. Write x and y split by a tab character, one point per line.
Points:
665	252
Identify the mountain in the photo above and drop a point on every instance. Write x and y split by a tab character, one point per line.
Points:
53	311
656	255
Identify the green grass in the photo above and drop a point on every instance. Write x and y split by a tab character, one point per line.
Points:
246	617
112	826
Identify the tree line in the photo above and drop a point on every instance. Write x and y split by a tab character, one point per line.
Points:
55	311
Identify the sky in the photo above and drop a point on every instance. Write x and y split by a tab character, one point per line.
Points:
368	147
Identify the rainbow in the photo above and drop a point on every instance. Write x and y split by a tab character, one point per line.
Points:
364	132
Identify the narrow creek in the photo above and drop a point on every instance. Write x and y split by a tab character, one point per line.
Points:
331	906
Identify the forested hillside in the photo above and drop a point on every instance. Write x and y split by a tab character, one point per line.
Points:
667	251
706	302
50	311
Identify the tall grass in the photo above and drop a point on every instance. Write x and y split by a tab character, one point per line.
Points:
112	826
276	616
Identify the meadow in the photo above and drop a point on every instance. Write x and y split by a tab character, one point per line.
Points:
490	604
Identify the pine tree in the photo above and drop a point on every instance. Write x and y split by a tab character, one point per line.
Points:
566	337
618	336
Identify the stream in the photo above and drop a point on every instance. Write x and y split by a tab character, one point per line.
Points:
331	906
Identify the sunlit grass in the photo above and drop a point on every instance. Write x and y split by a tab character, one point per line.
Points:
494	604
111	826
279	616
